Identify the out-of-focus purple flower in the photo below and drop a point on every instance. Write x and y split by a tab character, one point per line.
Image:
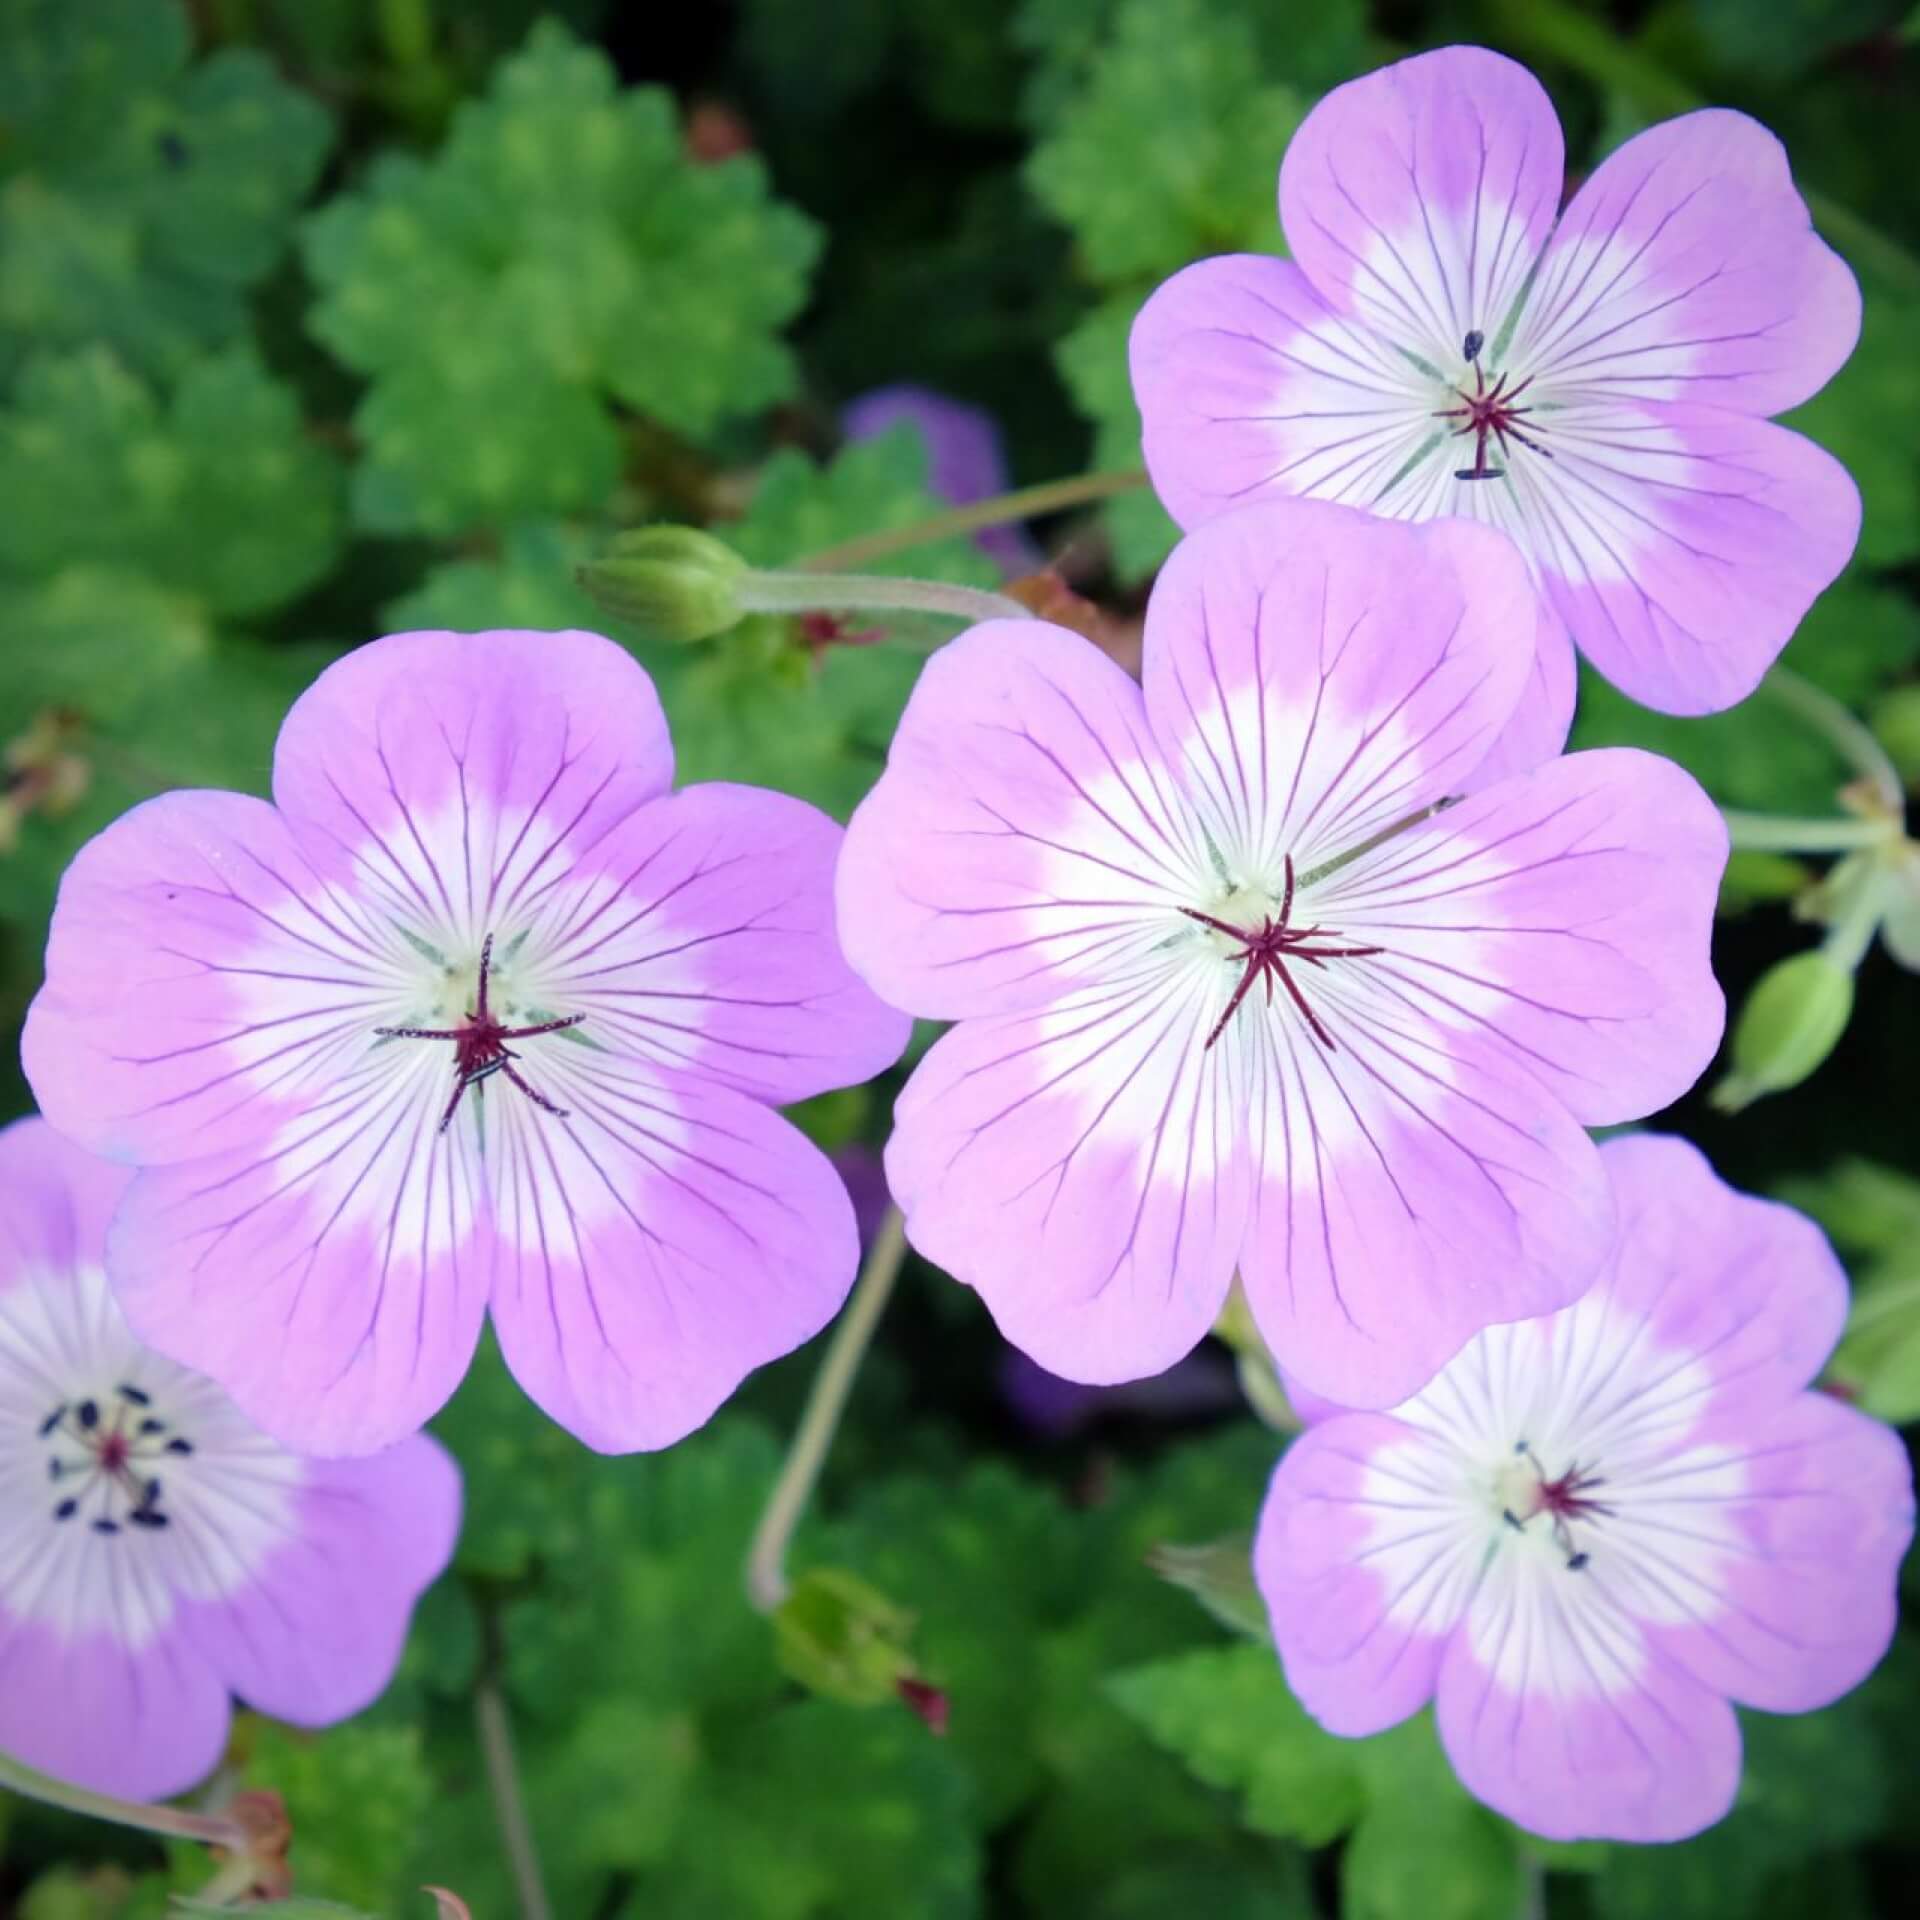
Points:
158	1553
865	1179
1202	1383
478	1014
965	459
1231	993
1595	383
1593	1531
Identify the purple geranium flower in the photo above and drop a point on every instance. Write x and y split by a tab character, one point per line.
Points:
158	1553
1592	1531
478	1014
1229	997
965	459
1595	383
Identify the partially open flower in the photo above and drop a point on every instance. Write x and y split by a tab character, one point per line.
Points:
158	1553
1593	1530
479	1014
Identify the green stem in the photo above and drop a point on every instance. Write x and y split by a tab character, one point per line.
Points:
1770	833
1024	503
1850	933
1851	738
764	592
213	1829
509	1804
1553	30
767	1557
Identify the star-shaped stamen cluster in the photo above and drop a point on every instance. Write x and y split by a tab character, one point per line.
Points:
1265	952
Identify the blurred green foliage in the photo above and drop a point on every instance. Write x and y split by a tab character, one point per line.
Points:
320	318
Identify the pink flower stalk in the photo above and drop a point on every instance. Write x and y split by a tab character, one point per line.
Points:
1232	993
1593	1531
477	1015
1596	383
158	1553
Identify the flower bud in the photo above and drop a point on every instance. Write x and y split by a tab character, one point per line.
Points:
843	1639
1795	1014
675	581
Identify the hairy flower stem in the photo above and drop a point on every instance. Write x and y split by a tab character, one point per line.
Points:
767	1557
1884	800
768	592
215	1830
509	1804
1024	503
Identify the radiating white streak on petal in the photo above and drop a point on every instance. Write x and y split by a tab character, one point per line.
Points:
230	1504
1589	1388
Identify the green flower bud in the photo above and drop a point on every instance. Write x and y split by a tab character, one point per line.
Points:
675	581
1795	1014
843	1639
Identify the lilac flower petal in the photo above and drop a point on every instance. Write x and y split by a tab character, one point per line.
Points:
142	1725
157	1551
55	1204
1418	197
699	934
1687	268
1368	1588
1576	1730
1826	1511
1539	726
1318	676
1413	1187
1591	394
1564	916
670	1237
1250	384
1618	1518
317	1632
202	982
1750	1283
1078	1167
333	1278
1683	544
449	775
1022	833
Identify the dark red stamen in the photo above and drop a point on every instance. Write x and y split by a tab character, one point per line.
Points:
1265	952
480	1047
1565	1499
1489	413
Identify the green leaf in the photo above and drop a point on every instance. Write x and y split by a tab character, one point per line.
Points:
1875	1211
820	1812
1173	148
561	254
528	583
985	1565
1868	416
1093	362
214	491
355	1795
1425	1850
1229	1714
643	1589
141	194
